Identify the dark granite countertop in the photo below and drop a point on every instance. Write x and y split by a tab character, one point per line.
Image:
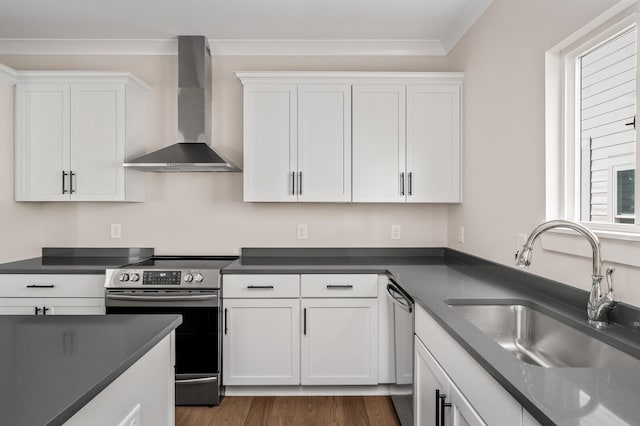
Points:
563	396
55	260
46	377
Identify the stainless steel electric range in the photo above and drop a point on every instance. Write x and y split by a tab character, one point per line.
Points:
185	285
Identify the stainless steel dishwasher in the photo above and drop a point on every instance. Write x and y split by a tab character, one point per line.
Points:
402	391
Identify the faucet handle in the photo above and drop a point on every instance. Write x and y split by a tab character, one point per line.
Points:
608	274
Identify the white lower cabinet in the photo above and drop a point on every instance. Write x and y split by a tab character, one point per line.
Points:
51	306
319	329
52	294
475	397
142	395
261	344
438	400
339	342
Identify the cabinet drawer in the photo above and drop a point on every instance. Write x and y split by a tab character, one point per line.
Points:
260	286
51	285
342	285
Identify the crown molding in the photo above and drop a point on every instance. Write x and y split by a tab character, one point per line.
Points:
328	47
225	47
7	75
87	47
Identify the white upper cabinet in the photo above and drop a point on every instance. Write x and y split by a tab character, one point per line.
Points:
73	133
379	143
352	137
433	143
324	143
297	142
270	142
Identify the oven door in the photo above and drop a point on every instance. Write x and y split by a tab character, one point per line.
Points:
198	338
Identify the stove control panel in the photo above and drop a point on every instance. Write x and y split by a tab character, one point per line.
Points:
145	278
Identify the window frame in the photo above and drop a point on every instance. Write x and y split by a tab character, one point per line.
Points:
562	109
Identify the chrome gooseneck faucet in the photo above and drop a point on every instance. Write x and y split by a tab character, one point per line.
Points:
600	303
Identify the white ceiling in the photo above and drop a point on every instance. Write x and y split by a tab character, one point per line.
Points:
439	23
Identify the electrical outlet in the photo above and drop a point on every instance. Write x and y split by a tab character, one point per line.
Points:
395	232
116	230
302	231
461	234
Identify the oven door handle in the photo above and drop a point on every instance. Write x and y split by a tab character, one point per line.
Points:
198	380
163	298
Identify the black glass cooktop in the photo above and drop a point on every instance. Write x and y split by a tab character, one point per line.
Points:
183	262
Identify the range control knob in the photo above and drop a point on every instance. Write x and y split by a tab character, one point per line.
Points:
198	278
124	277
135	277
188	277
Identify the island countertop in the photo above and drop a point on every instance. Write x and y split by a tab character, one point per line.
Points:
51	366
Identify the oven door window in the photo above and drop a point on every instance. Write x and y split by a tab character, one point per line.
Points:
196	337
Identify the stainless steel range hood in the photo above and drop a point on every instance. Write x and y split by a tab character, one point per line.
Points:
192	152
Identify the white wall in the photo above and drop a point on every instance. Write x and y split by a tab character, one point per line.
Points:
504	141
203	213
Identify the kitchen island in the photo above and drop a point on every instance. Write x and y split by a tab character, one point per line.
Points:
87	369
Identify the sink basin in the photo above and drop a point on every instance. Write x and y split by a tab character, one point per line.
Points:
539	339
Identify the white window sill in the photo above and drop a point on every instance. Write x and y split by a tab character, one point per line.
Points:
617	247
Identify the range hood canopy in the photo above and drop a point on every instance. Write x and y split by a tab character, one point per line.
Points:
192	152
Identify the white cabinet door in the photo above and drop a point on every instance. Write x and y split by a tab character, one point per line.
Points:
97	141
324	143
461	412
429	379
433	143
21	306
51	306
261	344
339	342
270	142
42	142
74	306
379	173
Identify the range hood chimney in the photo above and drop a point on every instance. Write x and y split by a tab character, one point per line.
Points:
192	152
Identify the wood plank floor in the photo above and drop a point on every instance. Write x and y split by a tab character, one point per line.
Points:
292	410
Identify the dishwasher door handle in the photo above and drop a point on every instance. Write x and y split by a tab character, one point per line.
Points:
399	298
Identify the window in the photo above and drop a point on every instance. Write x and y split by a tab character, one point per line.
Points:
591	156
607	137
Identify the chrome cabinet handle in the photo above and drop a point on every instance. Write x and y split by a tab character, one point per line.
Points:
268	287
410	183
402	183
40	285
64	186
344	286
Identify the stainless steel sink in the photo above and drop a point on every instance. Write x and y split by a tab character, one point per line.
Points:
539	339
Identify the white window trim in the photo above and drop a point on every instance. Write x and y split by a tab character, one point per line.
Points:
619	241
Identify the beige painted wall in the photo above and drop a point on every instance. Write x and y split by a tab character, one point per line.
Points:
204	213
504	147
